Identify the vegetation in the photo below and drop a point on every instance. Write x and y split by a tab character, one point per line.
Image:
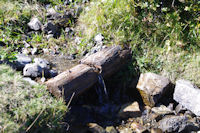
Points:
164	35
27	108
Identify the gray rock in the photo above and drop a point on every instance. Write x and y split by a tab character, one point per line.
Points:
32	70
44	64
99	38
30	81
21	61
187	95
177	124
35	24
152	87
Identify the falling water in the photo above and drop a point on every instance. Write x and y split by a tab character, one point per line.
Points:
101	90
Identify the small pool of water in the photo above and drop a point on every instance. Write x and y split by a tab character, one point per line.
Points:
59	62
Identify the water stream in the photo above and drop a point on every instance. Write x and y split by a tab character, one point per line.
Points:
102	91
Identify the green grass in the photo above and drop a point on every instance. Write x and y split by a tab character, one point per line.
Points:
164	38
27	108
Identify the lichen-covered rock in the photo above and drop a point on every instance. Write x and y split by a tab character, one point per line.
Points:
151	87
188	95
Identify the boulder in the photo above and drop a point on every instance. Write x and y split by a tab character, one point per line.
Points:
35	24
152	87
188	95
32	70
130	110
21	61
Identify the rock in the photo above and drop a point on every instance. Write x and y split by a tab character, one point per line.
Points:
34	51
95	128
21	61
172	123
35	24
187	95
126	130
44	64
30	81
176	124
99	39
152	87
138	128
51	12
130	110
51	28
32	70
111	129
53	73
156	130
162	110
180	109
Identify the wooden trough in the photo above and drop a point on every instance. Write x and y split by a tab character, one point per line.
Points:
85	75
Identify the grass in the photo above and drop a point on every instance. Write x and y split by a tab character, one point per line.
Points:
27	108
164	38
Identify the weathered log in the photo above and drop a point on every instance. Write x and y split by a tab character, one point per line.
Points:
85	75
109	60
76	79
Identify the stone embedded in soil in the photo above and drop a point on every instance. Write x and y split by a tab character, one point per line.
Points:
188	95
35	24
130	110
152	87
32	70
21	61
